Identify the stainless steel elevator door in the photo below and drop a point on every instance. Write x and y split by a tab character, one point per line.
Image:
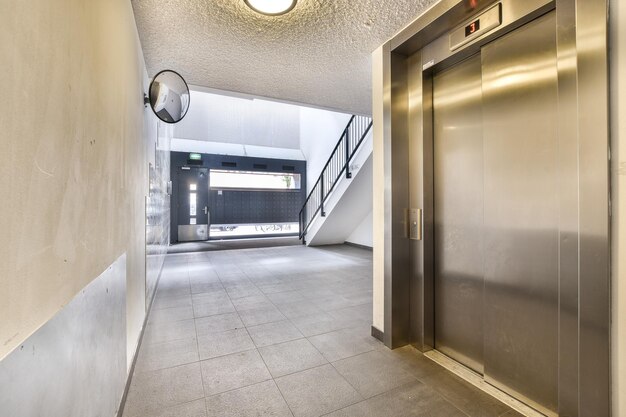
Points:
458	204
521	205
496	211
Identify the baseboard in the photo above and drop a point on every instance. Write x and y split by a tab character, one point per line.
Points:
356	245
378	334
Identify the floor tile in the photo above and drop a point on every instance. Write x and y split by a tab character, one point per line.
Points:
317	391
413	400
373	373
280	295
154	390
290	357
191	409
413	361
299	309
171	301
215	293
219	323
286	297
240	291
342	344
172	291
213	308
261	399
253	302
261	316
354	312
233	371
168	331
464	396
272	333
334	302
224	343
167	354
212	296
321	323
171	314
279	287
206	287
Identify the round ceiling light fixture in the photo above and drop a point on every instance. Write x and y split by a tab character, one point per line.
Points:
271	7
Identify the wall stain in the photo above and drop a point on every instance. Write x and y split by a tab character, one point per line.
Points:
11	338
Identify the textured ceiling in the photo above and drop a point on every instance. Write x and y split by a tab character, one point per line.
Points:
319	54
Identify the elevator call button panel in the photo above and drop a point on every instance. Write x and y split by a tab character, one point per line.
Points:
415	224
476	27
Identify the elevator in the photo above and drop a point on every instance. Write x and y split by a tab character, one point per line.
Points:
496	211
495	145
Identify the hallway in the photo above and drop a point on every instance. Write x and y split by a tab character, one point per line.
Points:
279	332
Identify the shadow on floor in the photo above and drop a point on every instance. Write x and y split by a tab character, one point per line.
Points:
231	244
283	332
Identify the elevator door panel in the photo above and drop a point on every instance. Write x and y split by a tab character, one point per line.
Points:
521	211
458	198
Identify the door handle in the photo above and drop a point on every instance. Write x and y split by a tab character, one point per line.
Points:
206	210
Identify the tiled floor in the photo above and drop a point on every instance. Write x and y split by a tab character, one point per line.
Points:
282	332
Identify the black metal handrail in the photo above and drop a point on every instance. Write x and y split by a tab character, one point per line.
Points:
339	162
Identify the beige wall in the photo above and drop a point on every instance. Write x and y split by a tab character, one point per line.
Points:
378	208
72	177
618	151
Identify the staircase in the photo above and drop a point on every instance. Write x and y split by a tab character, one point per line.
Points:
341	197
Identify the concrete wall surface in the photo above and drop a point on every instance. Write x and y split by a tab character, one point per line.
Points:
237	120
76	142
319	133
362	235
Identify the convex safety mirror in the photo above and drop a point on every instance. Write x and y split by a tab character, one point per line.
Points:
169	96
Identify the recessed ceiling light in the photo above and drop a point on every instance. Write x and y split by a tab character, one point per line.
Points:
271	7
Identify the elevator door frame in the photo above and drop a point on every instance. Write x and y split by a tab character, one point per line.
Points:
406	149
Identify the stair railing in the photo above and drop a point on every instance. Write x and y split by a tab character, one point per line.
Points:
339	163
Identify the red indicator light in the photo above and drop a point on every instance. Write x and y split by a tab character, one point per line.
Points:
472	28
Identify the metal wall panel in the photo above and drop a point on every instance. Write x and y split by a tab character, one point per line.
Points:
594	284
75	365
397	255
569	214
420	197
458	206
522	204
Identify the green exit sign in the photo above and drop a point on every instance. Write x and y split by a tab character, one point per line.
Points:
195	157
